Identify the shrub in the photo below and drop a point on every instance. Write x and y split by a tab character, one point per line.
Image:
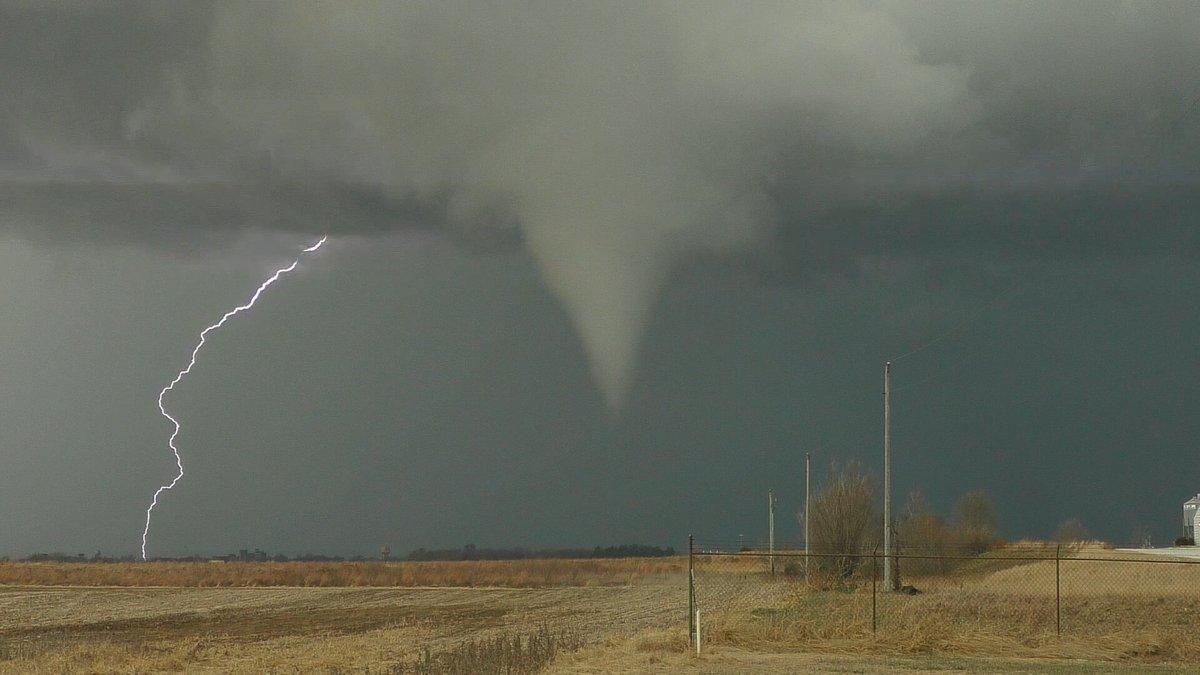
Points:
921	532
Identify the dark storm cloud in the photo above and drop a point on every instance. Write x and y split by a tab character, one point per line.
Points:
177	215
77	69
999	226
612	139
1085	144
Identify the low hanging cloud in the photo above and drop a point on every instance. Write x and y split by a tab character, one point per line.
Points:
610	139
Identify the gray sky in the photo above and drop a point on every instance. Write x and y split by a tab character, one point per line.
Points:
598	273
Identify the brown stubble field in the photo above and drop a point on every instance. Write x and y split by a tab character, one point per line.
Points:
256	617
628	616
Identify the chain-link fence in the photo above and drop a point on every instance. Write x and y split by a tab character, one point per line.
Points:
1025	593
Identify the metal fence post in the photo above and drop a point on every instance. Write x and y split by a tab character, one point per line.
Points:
1058	590
874	586
691	590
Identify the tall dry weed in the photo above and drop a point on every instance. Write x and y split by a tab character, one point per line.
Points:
504	654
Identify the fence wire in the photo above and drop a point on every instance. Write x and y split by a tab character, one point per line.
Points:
1027	593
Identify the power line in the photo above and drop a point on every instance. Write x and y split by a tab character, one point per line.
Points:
954	365
965	323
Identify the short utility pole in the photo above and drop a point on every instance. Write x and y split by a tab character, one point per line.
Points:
890	582
771	528
807	510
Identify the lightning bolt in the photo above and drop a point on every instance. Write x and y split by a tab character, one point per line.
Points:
183	373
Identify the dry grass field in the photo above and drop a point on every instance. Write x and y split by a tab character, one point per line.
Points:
1112	611
629	616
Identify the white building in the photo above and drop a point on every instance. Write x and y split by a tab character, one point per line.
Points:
1191	511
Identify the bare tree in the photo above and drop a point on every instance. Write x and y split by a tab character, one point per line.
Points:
1071	531
975	516
923	532
976	511
843	513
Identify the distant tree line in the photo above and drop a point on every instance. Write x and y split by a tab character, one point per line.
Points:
471	552
244	555
468	552
259	555
76	558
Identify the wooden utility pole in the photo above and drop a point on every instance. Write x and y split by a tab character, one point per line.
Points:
771	528
692	611
890	582
807	510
